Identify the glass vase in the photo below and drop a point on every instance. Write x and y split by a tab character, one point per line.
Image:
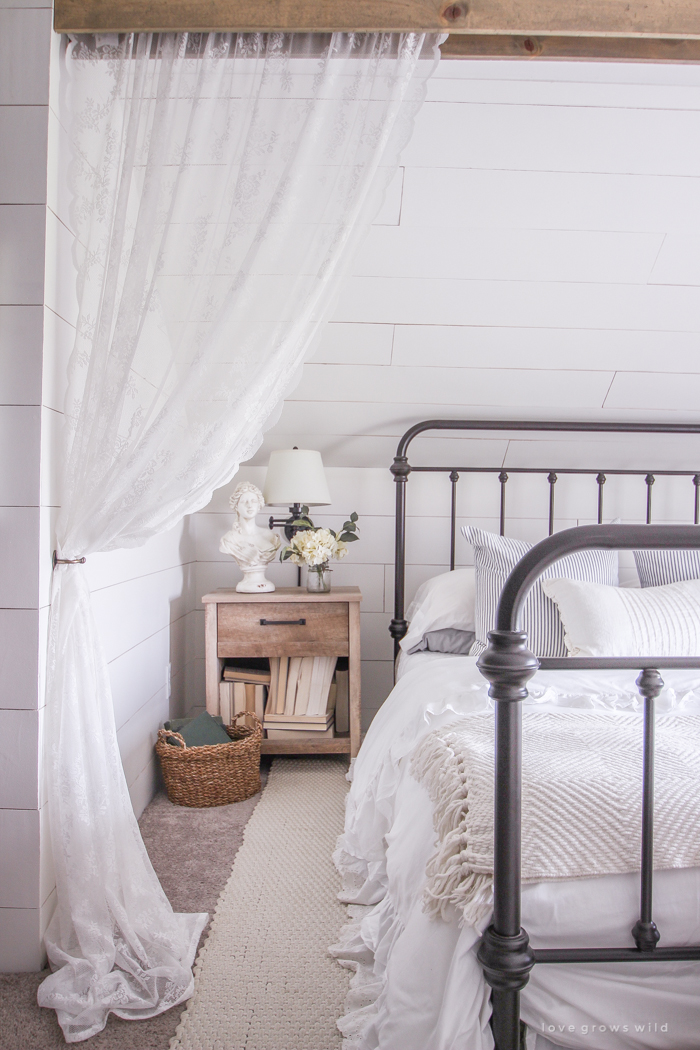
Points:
318	579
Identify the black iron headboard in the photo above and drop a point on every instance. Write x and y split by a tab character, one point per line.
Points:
401	469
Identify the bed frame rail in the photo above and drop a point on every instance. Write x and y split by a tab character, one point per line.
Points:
505	953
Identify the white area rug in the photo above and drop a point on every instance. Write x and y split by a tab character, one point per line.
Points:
264	979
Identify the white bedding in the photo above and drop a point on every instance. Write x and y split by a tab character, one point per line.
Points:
419	986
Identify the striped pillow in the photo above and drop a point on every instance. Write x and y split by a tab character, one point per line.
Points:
496	556
657	568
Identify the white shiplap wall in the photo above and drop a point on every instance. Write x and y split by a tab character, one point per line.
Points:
538	256
24	90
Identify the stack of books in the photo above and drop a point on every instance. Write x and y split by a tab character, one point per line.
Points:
243	689
301	698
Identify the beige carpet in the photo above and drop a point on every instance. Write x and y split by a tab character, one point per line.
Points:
264	978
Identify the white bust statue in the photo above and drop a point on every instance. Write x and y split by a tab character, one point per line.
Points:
252	548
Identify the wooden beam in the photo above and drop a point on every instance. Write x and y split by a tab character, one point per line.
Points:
586	48
597	18
254	15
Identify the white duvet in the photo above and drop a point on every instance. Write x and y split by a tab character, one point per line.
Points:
418	985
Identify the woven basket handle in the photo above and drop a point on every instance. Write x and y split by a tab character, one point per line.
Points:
244	714
169	736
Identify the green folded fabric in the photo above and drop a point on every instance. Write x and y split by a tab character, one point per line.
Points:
200	731
175	725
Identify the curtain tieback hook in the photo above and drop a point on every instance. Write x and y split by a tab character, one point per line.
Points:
55	560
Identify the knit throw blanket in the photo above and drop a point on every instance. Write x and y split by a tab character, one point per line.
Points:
582	801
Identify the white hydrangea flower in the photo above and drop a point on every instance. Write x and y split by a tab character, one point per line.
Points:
315	547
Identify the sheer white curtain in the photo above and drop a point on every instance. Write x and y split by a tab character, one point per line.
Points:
221	183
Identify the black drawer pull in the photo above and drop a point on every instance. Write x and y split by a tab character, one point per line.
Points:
277	623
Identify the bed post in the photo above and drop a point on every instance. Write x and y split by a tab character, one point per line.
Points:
646	936
400	468
505	953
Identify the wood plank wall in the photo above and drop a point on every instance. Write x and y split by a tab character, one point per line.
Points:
537	253
536	256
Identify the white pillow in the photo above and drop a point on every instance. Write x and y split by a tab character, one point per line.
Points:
442	601
614	621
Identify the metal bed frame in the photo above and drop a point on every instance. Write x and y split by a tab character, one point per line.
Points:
505	953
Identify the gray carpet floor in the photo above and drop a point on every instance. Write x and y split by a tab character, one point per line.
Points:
192	851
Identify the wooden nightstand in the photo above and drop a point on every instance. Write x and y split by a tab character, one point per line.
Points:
247	625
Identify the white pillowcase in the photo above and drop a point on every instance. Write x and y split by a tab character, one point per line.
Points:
442	601
614	621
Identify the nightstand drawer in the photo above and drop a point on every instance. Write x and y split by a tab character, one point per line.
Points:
274	629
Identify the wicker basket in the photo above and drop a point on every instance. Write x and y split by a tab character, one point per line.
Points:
213	775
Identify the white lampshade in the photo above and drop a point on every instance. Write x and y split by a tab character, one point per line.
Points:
296	475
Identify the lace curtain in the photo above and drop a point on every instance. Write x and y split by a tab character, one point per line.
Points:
221	184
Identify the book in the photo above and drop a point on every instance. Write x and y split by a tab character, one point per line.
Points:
259	705
318	701
342	702
246	674
282	684
292	682
274	680
300	720
226	702
301	701
332	692
299	734
239	697
328	681
316	686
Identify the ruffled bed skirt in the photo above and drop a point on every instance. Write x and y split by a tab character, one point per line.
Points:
417	984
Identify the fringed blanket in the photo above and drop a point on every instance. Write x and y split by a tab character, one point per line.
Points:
582	779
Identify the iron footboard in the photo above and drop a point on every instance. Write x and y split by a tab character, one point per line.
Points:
505	953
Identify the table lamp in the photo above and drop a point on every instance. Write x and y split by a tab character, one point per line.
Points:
295	478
